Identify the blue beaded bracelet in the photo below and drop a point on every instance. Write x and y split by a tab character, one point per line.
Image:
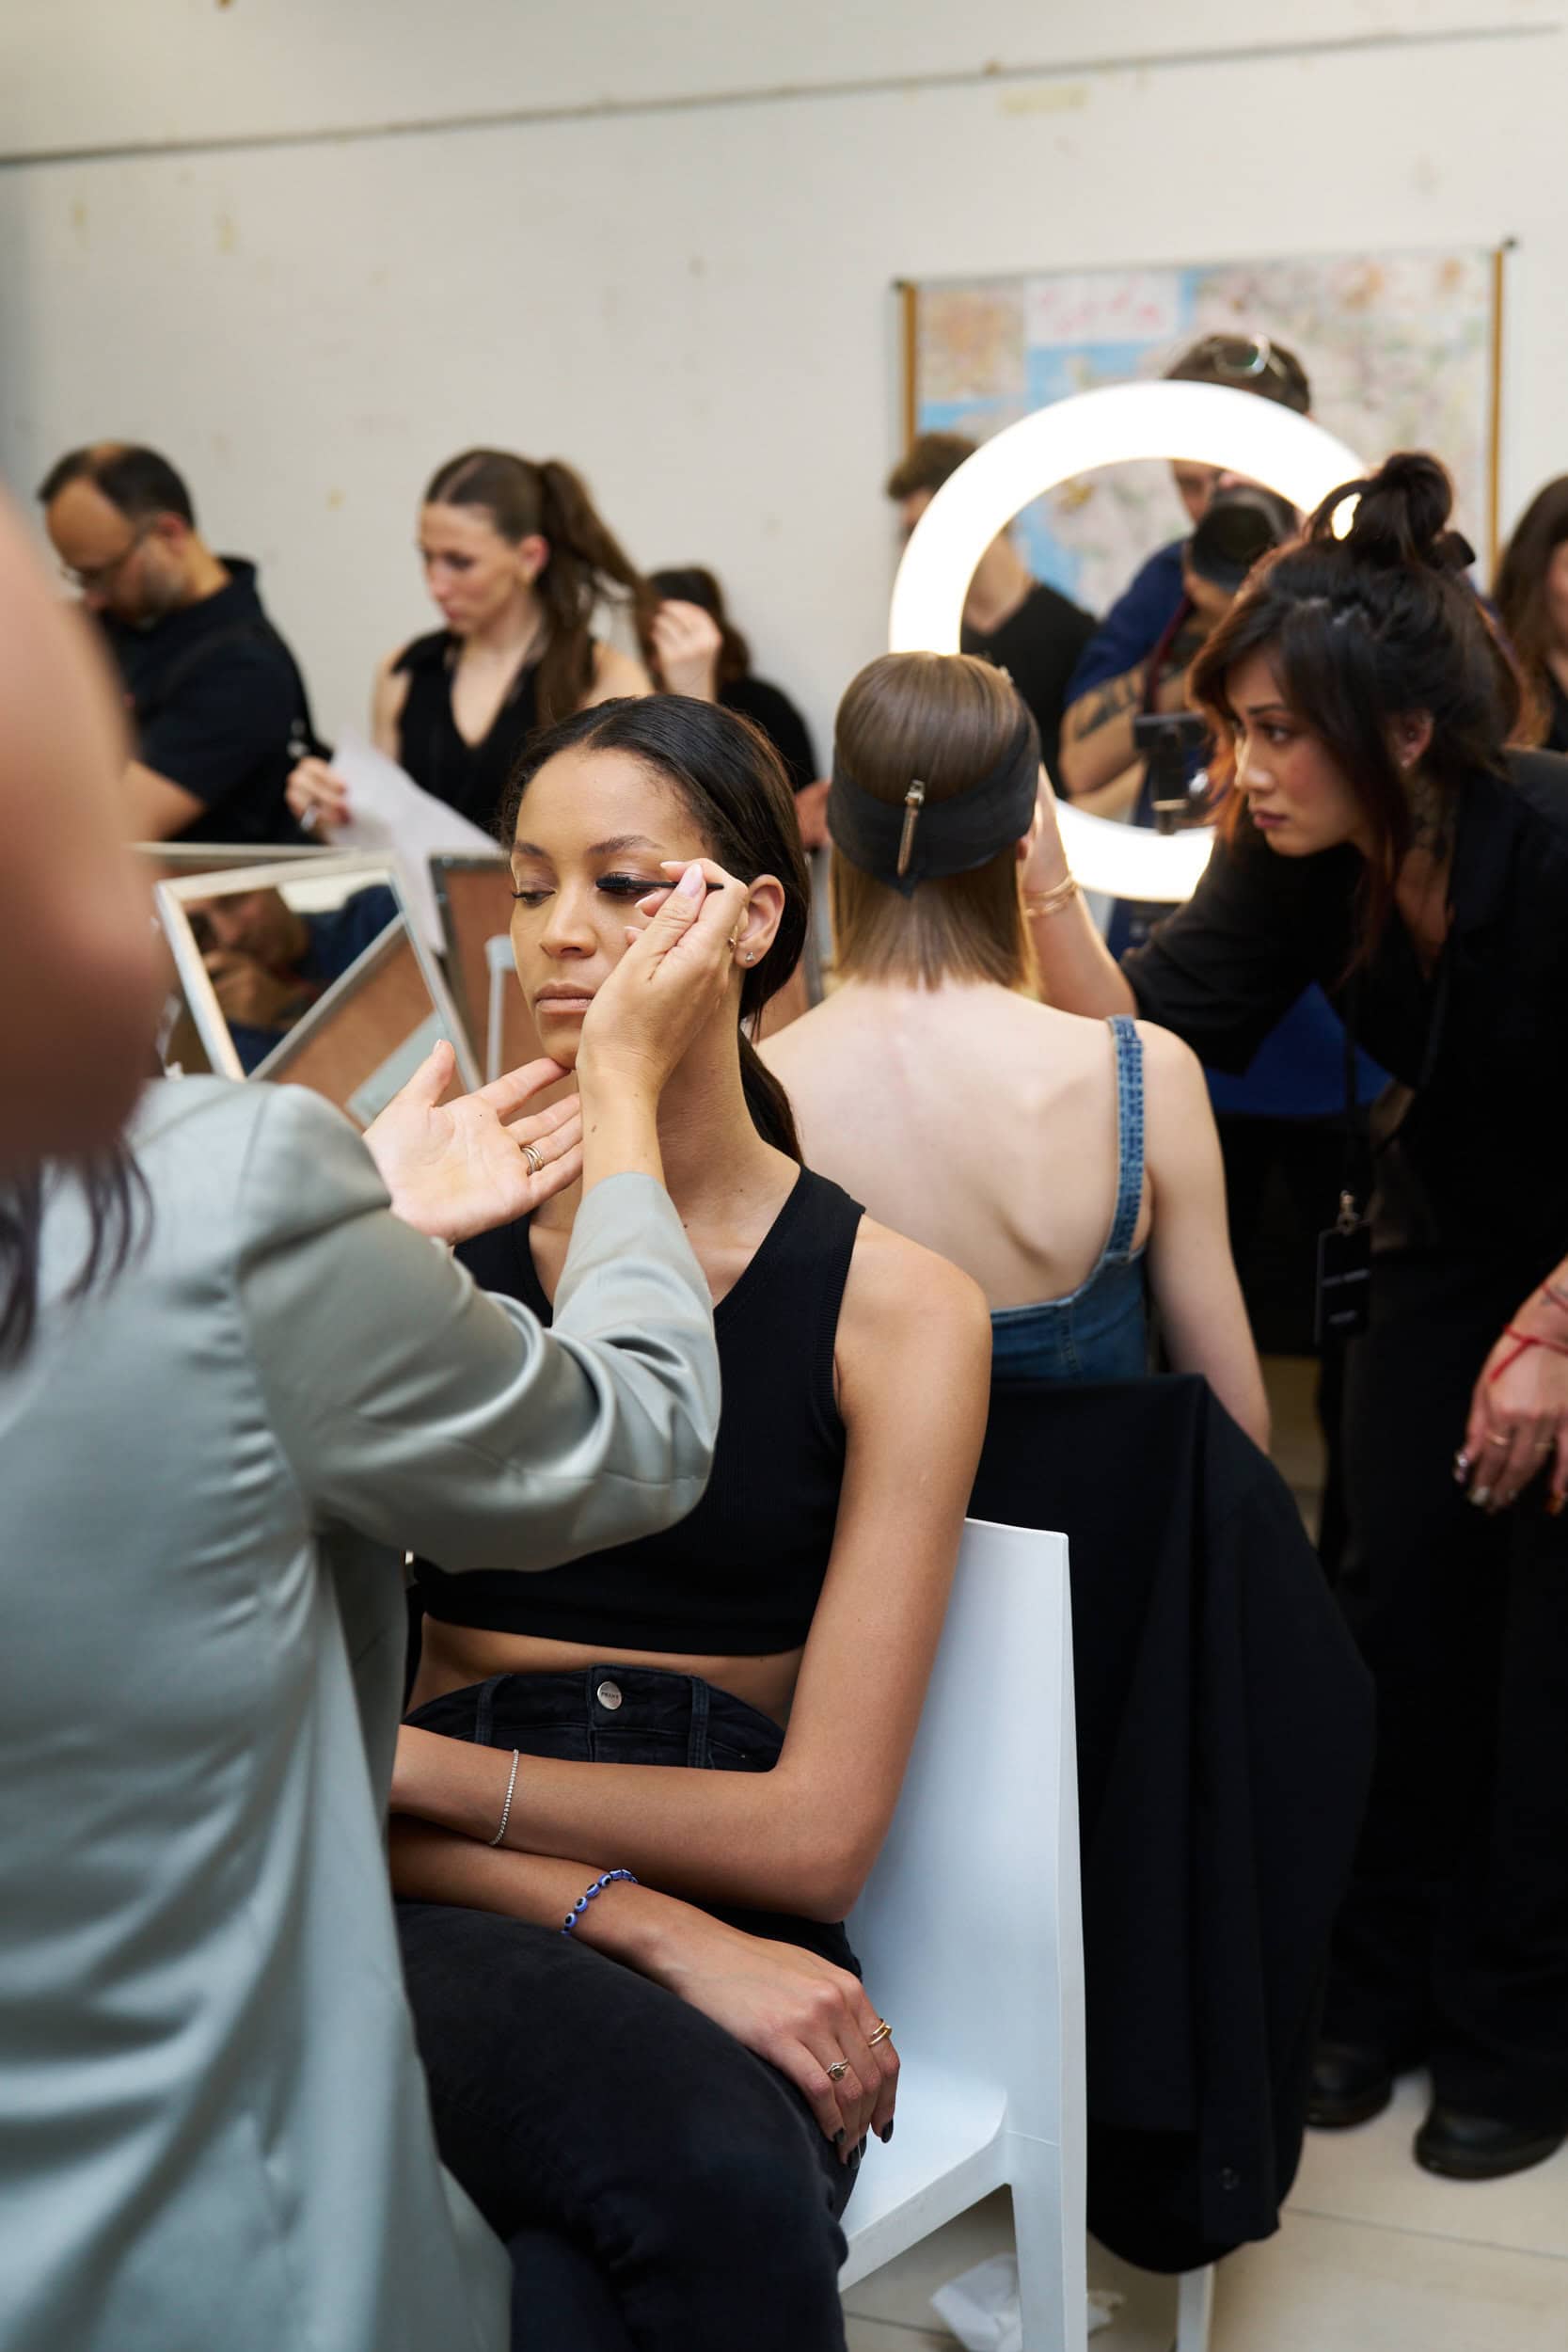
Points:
598	1888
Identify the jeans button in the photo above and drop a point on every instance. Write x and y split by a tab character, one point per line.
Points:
608	1694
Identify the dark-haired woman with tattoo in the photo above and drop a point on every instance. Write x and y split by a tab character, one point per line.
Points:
1380	840
662	2107
516	558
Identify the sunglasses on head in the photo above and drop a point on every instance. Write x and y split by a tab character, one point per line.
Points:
1244	358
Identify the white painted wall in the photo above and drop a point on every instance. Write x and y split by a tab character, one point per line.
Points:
685	292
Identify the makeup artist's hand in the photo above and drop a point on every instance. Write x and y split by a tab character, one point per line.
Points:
463	1167
1046	864
671	980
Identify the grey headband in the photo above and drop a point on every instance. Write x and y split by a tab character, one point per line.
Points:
904	843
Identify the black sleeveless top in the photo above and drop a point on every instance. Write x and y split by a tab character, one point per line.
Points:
739	1576
470	777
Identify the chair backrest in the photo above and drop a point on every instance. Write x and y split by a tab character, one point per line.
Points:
970	1928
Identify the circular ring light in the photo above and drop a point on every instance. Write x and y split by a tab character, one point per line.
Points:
1206	424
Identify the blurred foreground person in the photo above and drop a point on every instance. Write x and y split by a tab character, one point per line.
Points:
234	1388
78	970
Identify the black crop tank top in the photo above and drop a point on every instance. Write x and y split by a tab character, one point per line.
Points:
740	1576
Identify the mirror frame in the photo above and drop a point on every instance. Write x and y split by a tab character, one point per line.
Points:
173	898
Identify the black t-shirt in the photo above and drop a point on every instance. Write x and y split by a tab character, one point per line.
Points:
770	708
1039	646
1470	1135
216	700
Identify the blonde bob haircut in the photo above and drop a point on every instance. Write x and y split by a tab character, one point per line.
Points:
948	719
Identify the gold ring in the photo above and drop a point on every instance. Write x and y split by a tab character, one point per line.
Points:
884	2033
837	2071
534	1157
1491	1439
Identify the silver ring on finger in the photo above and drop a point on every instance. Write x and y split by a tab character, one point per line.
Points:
837	2071
534	1157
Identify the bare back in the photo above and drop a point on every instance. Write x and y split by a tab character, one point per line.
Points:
976	1121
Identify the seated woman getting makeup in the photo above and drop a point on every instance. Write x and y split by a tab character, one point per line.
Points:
635	1797
1070	1166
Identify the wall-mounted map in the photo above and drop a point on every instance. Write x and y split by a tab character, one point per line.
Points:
1397	347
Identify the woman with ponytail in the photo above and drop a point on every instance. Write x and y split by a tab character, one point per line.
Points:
1380	838
667	2145
517	559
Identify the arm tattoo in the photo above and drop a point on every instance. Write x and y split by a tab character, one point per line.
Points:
1108	702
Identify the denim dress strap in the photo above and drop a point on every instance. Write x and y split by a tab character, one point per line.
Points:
1130	1138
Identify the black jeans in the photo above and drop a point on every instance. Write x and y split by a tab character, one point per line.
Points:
1453	1943
657	2186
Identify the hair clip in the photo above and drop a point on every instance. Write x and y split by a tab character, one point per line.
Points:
915	801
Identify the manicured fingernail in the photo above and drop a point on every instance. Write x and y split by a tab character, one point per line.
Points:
1480	1496
1460	1466
839	2138
885	2134
692	884
861	2149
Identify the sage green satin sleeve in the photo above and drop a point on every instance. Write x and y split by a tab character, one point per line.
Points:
425	1413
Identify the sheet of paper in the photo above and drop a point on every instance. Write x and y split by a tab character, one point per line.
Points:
394	819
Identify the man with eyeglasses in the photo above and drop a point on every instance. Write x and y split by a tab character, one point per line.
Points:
216	705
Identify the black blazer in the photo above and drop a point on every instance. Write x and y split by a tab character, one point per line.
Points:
1225	1741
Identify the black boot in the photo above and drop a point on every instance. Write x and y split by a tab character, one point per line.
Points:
1468	2147
1350	2085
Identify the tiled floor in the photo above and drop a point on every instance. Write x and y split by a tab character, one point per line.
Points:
1372	2255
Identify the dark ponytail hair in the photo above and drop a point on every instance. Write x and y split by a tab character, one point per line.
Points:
586	563
1362	630
734	784
116	1197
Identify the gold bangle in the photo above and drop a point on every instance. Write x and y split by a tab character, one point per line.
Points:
1050	901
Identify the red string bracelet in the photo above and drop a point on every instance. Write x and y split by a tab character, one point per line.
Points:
1523	1340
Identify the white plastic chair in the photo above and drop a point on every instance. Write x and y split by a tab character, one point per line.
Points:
970	1935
